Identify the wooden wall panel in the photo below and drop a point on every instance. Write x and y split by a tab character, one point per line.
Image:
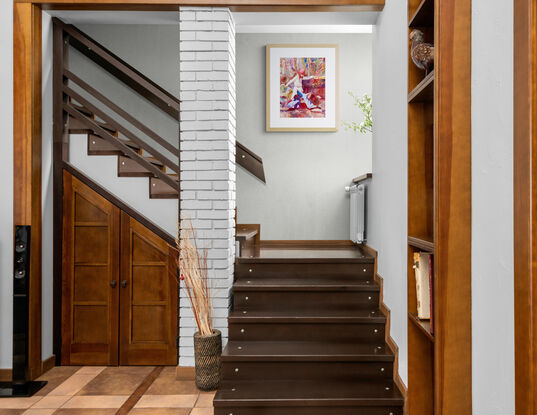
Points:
27	155
453	204
525	204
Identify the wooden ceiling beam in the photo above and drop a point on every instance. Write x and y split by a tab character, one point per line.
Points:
235	5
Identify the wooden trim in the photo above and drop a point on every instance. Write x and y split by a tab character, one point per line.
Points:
361	178
453	208
27	156
525	204
388	338
362	5
170	240
301	243
48	364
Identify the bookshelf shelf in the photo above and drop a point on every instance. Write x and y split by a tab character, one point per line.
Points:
423	325
425	243
424	91
424	15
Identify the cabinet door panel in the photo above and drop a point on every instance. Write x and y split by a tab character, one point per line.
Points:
90	264
148	303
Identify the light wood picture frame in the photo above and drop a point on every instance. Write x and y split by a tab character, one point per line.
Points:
302	82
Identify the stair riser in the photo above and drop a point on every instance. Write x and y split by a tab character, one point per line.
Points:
98	146
350	332
316	300
305	270
307	370
308	410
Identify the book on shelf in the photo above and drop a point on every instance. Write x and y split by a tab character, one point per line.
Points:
423	263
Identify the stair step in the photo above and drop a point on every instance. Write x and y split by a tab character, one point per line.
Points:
98	146
289	351
158	189
246	232
307	394
327	299
364	271
297	316
78	127
304	284
81	108
128	167
314	326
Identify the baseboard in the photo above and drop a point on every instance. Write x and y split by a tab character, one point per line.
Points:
301	243
46	365
185	372
388	338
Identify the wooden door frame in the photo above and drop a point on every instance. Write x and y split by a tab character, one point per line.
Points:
525	204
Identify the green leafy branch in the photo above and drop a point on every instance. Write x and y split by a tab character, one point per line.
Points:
366	108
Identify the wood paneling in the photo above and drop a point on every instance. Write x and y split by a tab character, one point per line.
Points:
27	155
453	313
525	205
90	287
360	5
149	292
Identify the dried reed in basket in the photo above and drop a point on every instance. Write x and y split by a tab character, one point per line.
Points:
193	272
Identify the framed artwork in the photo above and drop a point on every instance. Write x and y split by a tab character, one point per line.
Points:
302	85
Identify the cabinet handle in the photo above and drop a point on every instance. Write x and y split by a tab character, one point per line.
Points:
113	283
124	283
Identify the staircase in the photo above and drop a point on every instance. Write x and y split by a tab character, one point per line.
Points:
307	337
112	131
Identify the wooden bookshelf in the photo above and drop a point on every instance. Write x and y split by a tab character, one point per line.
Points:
421	212
439	210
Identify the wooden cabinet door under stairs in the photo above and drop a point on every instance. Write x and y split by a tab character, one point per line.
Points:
119	294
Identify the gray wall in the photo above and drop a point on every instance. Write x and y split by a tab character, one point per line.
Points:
6	184
152	50
492	208
387	205
306	173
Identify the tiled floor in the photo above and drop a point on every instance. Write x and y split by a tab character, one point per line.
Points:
111	390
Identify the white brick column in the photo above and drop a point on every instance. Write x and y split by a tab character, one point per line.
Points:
207	74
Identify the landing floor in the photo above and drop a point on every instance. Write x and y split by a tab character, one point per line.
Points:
141	390
305	252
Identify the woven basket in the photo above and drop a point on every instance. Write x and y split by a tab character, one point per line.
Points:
207	353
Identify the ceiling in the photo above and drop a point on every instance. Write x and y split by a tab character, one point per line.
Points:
246	22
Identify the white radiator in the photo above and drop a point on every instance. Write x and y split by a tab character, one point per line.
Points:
357	228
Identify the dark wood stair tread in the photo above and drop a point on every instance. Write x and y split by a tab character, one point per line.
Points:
158	189
303	284
342	315
296	351
100	147
312	254
244	233
307	393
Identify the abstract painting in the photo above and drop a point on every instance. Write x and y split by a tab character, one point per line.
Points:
301	88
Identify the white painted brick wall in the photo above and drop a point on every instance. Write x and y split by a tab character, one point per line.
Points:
207	73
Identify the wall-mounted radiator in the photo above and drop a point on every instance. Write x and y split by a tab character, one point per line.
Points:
357	212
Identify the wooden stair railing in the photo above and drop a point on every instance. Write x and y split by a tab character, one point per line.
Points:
83	112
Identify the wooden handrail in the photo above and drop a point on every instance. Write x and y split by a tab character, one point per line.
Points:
119	145
121	69
118	127
122	113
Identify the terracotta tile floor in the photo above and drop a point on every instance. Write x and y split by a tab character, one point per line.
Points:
92	390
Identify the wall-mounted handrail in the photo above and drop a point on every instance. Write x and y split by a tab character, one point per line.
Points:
121	69
122	113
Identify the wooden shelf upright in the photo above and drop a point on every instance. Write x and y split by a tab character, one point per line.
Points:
421	212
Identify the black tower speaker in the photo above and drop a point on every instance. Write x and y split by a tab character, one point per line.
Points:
20	386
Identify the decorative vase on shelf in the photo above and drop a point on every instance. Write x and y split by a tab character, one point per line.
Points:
208	354
422	53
